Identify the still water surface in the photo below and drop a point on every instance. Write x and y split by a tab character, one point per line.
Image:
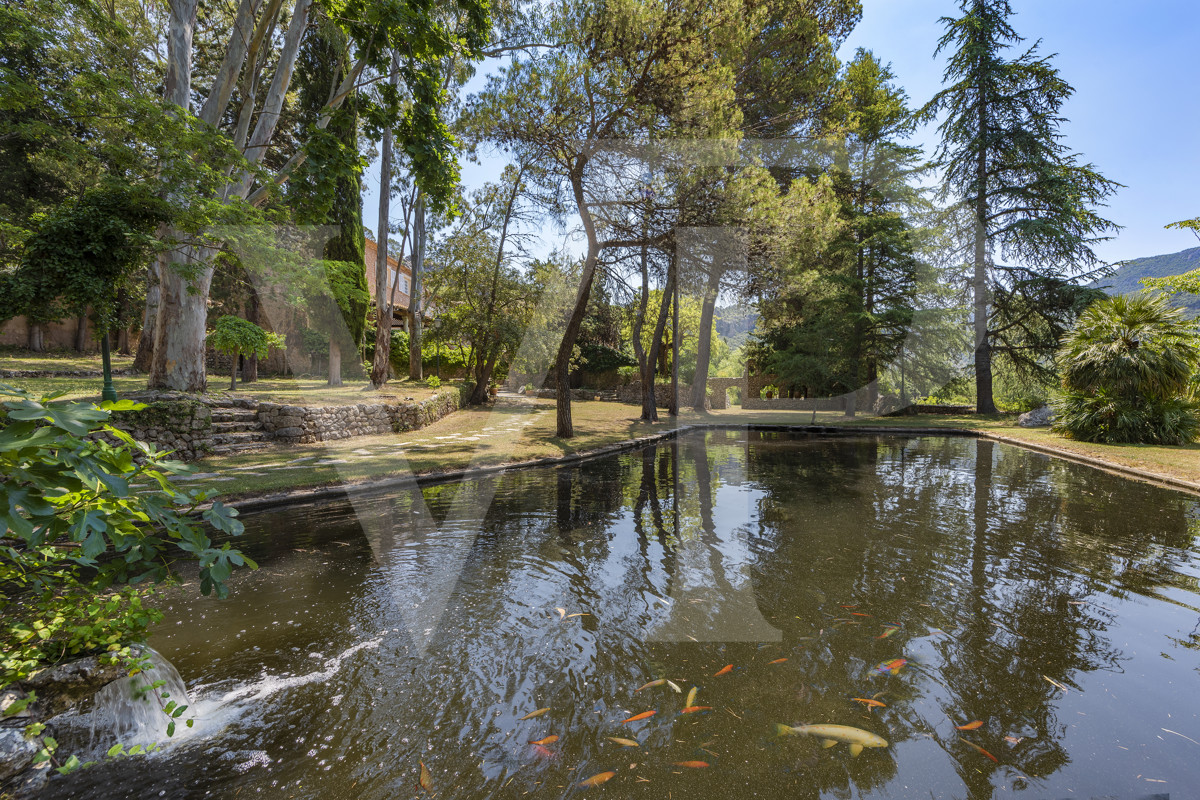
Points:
1054	603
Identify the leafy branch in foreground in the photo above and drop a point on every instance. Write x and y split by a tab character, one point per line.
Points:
81	548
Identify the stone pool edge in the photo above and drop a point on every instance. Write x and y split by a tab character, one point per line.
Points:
319	493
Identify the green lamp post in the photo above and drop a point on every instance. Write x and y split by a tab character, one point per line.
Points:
109	392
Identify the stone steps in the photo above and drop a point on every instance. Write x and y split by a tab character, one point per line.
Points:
236	428
226	443
230	414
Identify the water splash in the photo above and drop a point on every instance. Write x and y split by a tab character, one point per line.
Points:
130	710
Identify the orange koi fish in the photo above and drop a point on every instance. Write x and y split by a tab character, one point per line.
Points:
637	717
725	670
691	764
894	666
597	779
866	701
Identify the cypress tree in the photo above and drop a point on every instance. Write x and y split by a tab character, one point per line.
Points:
1028	198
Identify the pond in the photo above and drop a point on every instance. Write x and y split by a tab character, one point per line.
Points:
1009	623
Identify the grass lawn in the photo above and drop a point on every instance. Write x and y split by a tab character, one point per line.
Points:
524	431
58	360
291	391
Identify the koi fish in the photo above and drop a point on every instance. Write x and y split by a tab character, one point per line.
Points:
894	666
658	682
888	630
691	764
779	661
830	735
979	749
551	739
725	670
674	686
597	779
641	716
622	742
859	614
691	698
542	751
866	701
693	709
970	726
533	714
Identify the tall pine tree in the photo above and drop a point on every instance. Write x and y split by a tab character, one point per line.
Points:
1029	199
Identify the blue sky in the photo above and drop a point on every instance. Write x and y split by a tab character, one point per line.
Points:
1135	114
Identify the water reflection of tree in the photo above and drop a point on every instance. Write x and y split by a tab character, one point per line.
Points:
918	532
1012	542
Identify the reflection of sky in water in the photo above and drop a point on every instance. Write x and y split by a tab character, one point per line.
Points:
412	628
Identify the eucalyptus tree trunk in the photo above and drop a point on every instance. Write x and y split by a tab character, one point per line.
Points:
177	361
335	362
650	370
649	414
383	306
415	368
81	323
34	338
253	314
704	340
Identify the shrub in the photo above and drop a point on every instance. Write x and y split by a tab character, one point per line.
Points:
82	548
1127	369
433	381
239	337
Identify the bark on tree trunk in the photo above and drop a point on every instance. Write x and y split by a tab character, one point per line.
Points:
649	399
233	373
81	333
179	350
250	363
984	404
415	368
673	405
562	363
649	414
383	306
335	363
704	342
34	337
144	357
123	342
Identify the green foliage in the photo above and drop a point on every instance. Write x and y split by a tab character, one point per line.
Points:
1127	369
398	352
239	337
1016	187
82	548
433	381
601	358
84	253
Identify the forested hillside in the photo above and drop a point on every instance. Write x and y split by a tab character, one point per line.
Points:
1127	278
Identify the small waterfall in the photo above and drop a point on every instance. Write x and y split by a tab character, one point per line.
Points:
128	711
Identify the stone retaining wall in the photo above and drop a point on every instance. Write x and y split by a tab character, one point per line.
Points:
305	424
632	393
183	425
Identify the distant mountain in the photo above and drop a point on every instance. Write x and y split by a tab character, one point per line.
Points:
734	323
1126	278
